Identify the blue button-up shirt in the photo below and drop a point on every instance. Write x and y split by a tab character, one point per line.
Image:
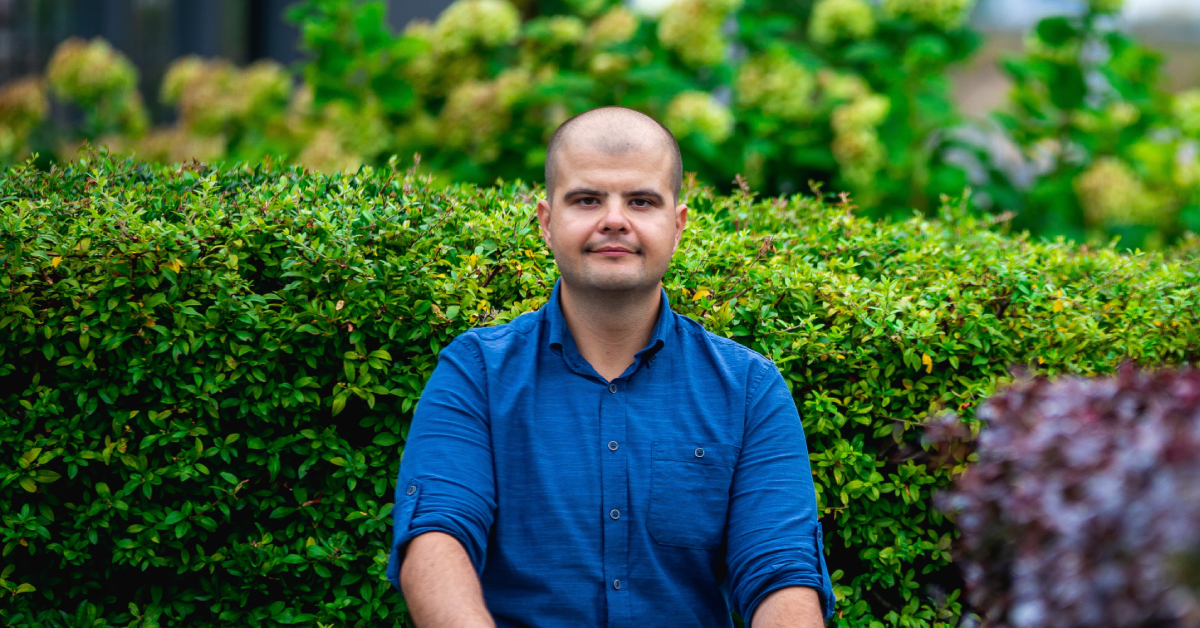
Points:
666	497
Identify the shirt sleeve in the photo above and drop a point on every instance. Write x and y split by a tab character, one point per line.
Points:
447	482
774	538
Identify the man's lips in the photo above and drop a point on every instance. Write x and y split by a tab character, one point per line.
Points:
612	251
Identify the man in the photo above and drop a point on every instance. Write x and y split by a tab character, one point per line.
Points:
604	461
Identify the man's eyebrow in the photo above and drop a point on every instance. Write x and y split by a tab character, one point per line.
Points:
583	192
658	198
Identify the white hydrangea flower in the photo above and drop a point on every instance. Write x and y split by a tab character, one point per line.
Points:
776	85
698	113
834	20
467	23
1187	111
1111	193
945	14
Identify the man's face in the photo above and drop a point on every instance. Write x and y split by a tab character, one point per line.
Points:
614	224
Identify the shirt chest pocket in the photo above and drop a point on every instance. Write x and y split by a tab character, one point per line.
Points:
689	492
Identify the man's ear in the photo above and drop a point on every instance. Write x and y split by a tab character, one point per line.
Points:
543	217
681	215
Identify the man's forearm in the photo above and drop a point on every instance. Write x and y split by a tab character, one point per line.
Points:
789	607
440	585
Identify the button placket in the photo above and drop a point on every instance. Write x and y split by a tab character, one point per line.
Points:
614	483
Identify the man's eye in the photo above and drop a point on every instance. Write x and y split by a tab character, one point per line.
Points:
640	202
589	201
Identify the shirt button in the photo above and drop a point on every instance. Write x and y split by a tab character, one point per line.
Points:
614	513
699	452
612	445
617	584
411	490
612	388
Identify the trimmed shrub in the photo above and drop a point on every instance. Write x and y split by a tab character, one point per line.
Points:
206	374
1083	508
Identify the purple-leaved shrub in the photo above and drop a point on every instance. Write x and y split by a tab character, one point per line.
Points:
1083	508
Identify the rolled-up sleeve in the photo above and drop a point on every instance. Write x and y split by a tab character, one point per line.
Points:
446	482
774	538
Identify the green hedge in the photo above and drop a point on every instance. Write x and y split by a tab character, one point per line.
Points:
206	375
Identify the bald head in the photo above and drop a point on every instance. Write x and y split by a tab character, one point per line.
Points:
616	131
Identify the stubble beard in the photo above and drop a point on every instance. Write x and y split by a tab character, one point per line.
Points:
592	276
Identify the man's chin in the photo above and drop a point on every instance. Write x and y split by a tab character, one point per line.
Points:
614	282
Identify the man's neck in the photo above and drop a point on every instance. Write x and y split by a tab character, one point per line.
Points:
610	328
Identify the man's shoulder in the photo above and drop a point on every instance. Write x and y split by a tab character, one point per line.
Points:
728	351
504	336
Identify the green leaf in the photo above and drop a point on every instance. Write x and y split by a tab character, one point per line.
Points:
1055	31
394	93
387	439
339	402
45	477
1067	86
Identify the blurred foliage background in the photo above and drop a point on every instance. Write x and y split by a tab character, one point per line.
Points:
792	95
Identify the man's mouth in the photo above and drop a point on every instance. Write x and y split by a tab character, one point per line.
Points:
612	251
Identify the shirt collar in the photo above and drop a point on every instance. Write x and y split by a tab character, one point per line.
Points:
560	338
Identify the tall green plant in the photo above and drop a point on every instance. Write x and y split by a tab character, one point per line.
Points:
1104	152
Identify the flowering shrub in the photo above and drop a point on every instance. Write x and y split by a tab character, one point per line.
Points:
23	107
1083	508
103	82
206	375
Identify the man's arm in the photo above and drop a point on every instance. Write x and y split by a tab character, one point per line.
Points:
789	607
445	496
773	536
440	585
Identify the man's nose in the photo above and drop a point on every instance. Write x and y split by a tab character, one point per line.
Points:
615	216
